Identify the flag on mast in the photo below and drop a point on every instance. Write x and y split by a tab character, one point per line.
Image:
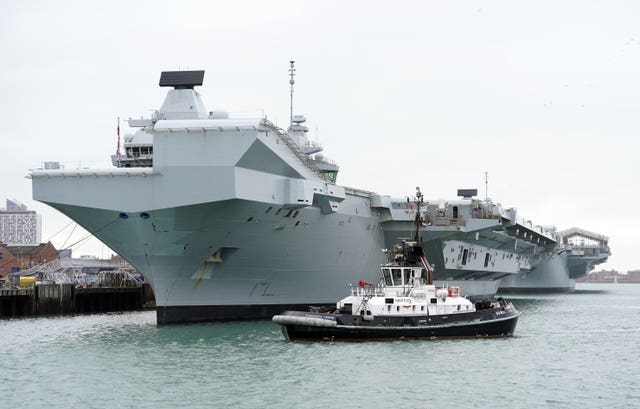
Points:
118	132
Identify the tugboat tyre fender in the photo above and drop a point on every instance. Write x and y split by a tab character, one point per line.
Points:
304	321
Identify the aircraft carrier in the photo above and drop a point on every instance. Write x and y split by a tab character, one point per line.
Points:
577	253
237	219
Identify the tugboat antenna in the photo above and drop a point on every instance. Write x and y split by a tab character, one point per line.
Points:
418	216
292	71
420	252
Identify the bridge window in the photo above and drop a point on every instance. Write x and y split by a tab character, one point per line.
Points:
397	276
407	275
331	176
386	273
487	257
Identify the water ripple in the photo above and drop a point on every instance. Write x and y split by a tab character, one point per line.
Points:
569	351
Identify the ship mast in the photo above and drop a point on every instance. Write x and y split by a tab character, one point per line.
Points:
486	186
292	71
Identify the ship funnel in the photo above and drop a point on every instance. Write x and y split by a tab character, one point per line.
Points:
182	102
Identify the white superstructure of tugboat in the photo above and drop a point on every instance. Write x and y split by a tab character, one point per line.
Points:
404	304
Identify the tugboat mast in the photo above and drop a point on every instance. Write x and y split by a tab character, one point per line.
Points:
419	201
417	250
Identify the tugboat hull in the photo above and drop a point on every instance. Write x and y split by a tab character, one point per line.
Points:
306	326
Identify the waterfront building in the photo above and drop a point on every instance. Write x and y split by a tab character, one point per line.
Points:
19	226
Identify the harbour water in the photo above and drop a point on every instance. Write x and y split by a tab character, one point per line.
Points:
570	351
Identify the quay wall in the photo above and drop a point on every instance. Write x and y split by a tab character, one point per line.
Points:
50	299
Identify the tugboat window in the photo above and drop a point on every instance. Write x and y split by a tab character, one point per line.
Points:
407	275
397	276
387	277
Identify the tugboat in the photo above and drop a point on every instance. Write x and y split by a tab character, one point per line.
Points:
404	304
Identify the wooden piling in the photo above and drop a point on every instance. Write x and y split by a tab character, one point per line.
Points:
52	299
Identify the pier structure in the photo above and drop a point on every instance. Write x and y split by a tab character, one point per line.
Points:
52	299
54	289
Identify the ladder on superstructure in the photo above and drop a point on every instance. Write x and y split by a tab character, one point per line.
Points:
295	148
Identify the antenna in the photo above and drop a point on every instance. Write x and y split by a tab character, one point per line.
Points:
118	132
292	70
418	221
486	186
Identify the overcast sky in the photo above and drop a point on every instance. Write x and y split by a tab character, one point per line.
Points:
543	95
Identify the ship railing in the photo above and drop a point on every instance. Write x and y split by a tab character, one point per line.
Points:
295	148
73	165
448	221
482	214
358	192
589	247
368	290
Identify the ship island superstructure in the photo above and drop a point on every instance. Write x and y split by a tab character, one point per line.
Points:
231	218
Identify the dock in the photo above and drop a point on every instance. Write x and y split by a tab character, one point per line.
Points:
54	299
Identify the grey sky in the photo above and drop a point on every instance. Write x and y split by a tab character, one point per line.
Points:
541	94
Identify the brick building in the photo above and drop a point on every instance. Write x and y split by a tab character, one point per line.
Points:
17	258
